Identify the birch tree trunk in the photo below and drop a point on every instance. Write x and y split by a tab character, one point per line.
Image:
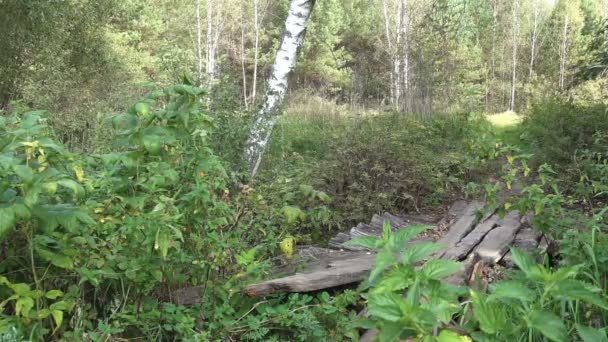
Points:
199	42
535	23
405	21
256	47
563	54
214	28
514	60
284	63
244	74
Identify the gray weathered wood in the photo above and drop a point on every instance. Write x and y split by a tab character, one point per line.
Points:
363	229
496	243
338	273
396	222
338	240
527	240
471	240
462	226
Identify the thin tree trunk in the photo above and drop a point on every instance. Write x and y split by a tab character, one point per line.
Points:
244	74
256	48
284	63
536	19
390	49
514	70
563	55
406	57
199	42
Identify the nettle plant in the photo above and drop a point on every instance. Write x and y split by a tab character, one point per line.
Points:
406	297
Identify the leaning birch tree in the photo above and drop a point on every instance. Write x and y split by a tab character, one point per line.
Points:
284	63
515	31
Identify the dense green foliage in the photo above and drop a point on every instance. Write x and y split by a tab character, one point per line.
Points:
130	186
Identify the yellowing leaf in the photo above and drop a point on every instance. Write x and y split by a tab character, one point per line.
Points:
287	246
79	173
508	205
510	159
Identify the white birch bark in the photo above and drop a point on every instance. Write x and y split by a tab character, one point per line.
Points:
284	63
256	47
405	22
199	42
387	24
563	54
514	57
535	24
215	24
244	74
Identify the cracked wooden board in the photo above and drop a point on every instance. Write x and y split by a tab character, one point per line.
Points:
461	227
496	243
339	273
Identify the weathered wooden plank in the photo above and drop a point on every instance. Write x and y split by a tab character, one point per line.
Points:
338	240
471	240
363	229
187	296
396	222
496	243
462	226
377	222
527	240
338	273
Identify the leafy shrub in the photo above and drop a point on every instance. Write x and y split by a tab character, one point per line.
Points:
558	130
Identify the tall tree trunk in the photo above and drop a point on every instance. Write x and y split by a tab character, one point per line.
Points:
563	53
199	42
284	63
215	24
405	21
514	59
256	47
535	23
387	32
244	74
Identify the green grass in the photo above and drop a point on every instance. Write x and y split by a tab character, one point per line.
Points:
508	128
505	119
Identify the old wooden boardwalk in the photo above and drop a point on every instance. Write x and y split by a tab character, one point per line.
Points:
480	240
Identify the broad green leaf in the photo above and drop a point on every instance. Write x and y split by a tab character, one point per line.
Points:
143	109
152	143
53	294
385	306
23	306
397	279
72	185
24	172
56	259
450	336
548	324
57	317
398	239
365	241
7	222
511	289
292	214
383	260
523	261
574	289
390	332
420	251
439	269
21	289
589	334
491	317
